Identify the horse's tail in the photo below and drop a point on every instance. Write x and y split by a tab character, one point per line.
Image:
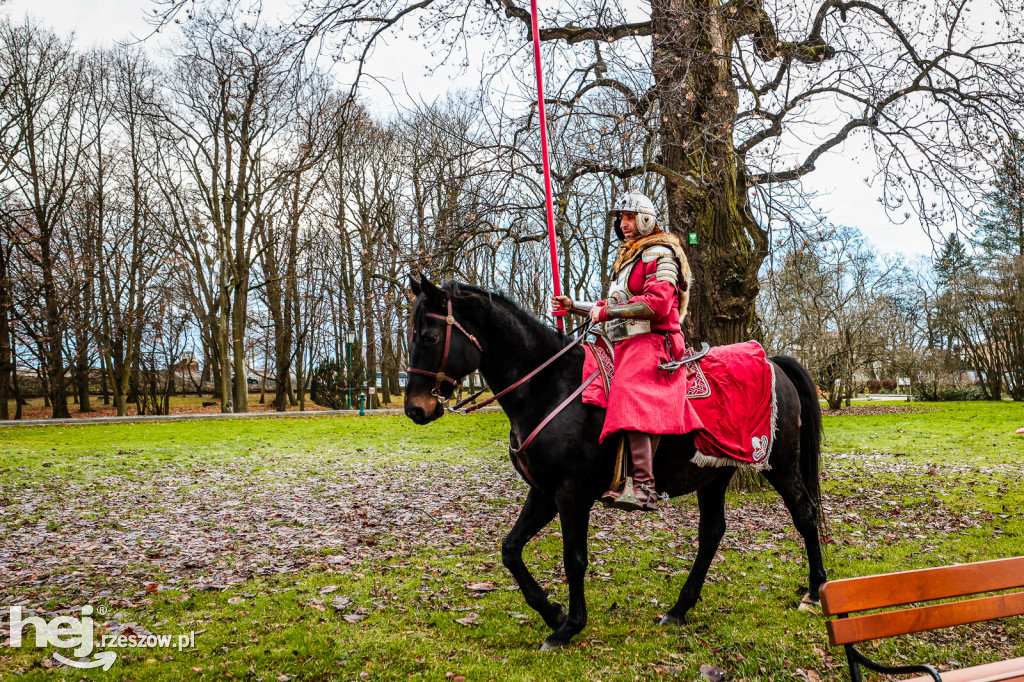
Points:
810	428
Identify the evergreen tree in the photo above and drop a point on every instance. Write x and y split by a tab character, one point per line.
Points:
1001	225
953	261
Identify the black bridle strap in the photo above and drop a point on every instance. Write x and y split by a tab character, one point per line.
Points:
440	375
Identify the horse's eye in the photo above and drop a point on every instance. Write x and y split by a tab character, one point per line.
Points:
431	338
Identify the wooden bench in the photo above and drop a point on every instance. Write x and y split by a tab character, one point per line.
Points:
844	598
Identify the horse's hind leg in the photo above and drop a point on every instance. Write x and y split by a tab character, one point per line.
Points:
711	529
804	512
537	512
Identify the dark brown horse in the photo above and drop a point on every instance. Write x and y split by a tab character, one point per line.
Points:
457	329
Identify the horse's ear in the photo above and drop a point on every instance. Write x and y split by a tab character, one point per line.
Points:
414	284
433	293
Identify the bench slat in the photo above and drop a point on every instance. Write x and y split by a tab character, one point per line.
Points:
927	584
1003	671
922	618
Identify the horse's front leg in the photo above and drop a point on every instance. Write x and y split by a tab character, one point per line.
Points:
575	516
537	512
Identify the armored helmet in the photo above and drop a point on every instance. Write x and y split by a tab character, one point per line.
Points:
634	202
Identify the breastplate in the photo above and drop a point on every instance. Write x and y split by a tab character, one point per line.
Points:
618	290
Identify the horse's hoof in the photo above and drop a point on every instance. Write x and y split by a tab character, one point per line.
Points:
669	619
553	644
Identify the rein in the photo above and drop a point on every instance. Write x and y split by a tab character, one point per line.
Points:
440	376
458	408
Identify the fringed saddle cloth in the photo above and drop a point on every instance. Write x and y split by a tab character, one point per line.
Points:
733	393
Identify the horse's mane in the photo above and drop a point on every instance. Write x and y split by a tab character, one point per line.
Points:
496	299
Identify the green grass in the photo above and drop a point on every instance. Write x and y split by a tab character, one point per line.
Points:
980	432
903	491
91	449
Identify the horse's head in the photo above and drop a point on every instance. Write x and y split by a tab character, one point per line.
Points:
442	351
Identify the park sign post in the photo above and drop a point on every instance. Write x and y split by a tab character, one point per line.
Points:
544	153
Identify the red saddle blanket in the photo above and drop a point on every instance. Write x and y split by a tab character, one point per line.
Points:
732	389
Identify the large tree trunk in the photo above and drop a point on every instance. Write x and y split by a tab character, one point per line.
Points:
238	320
104	385
223	345
82	386
19	399
300	375
369	323
278	301
698	104
83	334
204	375
58	391
6	355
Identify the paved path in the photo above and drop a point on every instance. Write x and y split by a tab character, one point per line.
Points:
217	415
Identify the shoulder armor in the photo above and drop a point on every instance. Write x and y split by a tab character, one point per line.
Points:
656	252
668	264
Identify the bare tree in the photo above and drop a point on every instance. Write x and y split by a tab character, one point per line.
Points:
282	240
228	101
733	102
824	305
42	152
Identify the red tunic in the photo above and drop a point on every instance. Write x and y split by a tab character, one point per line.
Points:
642	397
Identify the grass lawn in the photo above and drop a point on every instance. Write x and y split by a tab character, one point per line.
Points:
180	404
368	548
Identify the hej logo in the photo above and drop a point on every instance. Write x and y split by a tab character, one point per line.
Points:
63	632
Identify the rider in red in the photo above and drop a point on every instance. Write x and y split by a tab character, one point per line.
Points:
646	302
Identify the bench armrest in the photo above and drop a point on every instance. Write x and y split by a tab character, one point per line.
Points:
856	659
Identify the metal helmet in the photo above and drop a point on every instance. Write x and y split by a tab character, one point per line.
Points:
635	202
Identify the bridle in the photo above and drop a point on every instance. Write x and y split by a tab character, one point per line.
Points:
440	376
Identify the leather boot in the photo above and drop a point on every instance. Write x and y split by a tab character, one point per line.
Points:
639	492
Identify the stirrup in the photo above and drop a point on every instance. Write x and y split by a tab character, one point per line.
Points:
628	500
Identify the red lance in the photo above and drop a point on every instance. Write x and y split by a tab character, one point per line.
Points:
544	151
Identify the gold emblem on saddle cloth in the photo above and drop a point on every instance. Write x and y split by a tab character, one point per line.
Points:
619	293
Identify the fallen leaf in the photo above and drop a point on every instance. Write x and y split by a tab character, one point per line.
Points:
485	586
711	673
470	619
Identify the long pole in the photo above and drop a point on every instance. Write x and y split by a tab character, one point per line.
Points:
544	152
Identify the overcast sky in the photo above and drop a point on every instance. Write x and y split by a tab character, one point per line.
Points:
399	68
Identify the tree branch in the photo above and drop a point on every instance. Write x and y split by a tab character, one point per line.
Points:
750	19
808	165
577	34
685	182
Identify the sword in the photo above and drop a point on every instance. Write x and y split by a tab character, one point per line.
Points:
671	367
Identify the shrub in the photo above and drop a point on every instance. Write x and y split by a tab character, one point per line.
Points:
328	385
943	393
